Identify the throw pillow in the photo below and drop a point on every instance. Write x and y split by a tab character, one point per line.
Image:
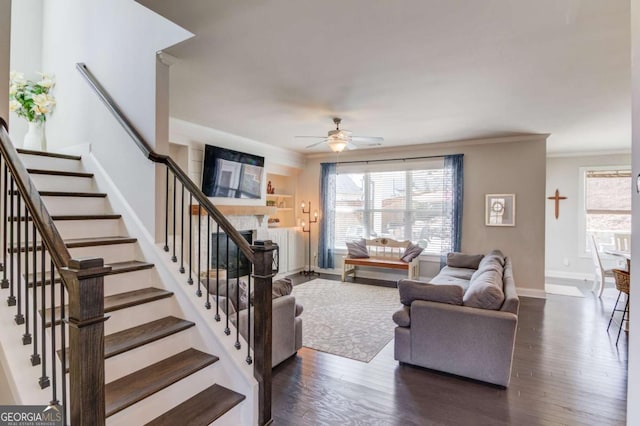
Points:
299	309
411	290
411	252
358	249
485	291
235	286
461	260
280	287
402	317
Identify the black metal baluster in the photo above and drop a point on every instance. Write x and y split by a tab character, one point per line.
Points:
18	249
237	344
199	292
182	233
35	356
217	299
5	217
190	280
249	360
11	300
63	355
166	214
207	260
227	330
52	319
44	379
26	337
174	258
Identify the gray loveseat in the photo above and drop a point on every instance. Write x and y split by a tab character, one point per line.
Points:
463	321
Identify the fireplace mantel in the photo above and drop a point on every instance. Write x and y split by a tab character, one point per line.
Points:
230	210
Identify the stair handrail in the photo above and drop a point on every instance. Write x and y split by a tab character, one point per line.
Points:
41	217
83	278
259	255
148	151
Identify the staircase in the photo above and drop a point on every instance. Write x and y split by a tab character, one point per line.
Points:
149	349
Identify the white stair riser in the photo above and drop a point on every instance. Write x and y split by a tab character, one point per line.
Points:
63	183
126	318
160	402
110	253
136	359
90	228
70	229
136	280
49	163
76	205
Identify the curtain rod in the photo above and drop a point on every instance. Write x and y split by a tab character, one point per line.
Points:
392	159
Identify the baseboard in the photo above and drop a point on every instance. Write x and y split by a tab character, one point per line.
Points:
531	292
579	276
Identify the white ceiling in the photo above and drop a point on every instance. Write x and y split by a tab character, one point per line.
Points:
411	71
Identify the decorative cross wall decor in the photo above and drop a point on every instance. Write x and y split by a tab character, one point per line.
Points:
557	199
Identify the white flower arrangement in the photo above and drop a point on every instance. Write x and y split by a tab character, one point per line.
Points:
31	99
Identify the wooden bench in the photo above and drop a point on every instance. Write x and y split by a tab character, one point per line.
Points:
384	253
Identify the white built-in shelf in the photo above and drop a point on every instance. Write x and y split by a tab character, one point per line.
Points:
279	195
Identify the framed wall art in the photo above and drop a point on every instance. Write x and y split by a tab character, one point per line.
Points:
500	210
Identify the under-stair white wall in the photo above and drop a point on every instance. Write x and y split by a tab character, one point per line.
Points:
5	37
118	40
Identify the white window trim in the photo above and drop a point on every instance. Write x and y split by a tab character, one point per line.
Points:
583	249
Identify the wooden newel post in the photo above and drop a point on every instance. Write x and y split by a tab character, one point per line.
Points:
85	285
263	275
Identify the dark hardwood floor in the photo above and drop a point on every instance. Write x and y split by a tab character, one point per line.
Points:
567	371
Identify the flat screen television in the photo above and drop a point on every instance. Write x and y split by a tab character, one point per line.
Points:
231	174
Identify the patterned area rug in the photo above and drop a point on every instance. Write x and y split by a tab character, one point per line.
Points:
346	319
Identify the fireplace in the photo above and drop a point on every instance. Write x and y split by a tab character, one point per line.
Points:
226	256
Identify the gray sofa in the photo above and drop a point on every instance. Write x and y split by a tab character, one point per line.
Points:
463	321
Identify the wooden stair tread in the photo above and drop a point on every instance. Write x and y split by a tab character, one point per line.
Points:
59	173
201	409
71	217
125	340
82	242
134	337
98	241
128	390
116	268
72	194
65	194
48	154
117	302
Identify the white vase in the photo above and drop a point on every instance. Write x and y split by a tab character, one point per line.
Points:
35	139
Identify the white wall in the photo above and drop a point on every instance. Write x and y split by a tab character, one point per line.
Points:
5	38
633	393
118	40
26	52
562	234
499	166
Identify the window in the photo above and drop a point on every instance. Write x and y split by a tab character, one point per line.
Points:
409	200
606	206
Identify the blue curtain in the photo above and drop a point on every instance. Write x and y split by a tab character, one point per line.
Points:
327	219
453	170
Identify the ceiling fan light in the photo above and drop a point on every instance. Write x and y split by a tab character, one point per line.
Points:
337	145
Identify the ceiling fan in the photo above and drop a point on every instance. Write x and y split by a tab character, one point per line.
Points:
339	139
